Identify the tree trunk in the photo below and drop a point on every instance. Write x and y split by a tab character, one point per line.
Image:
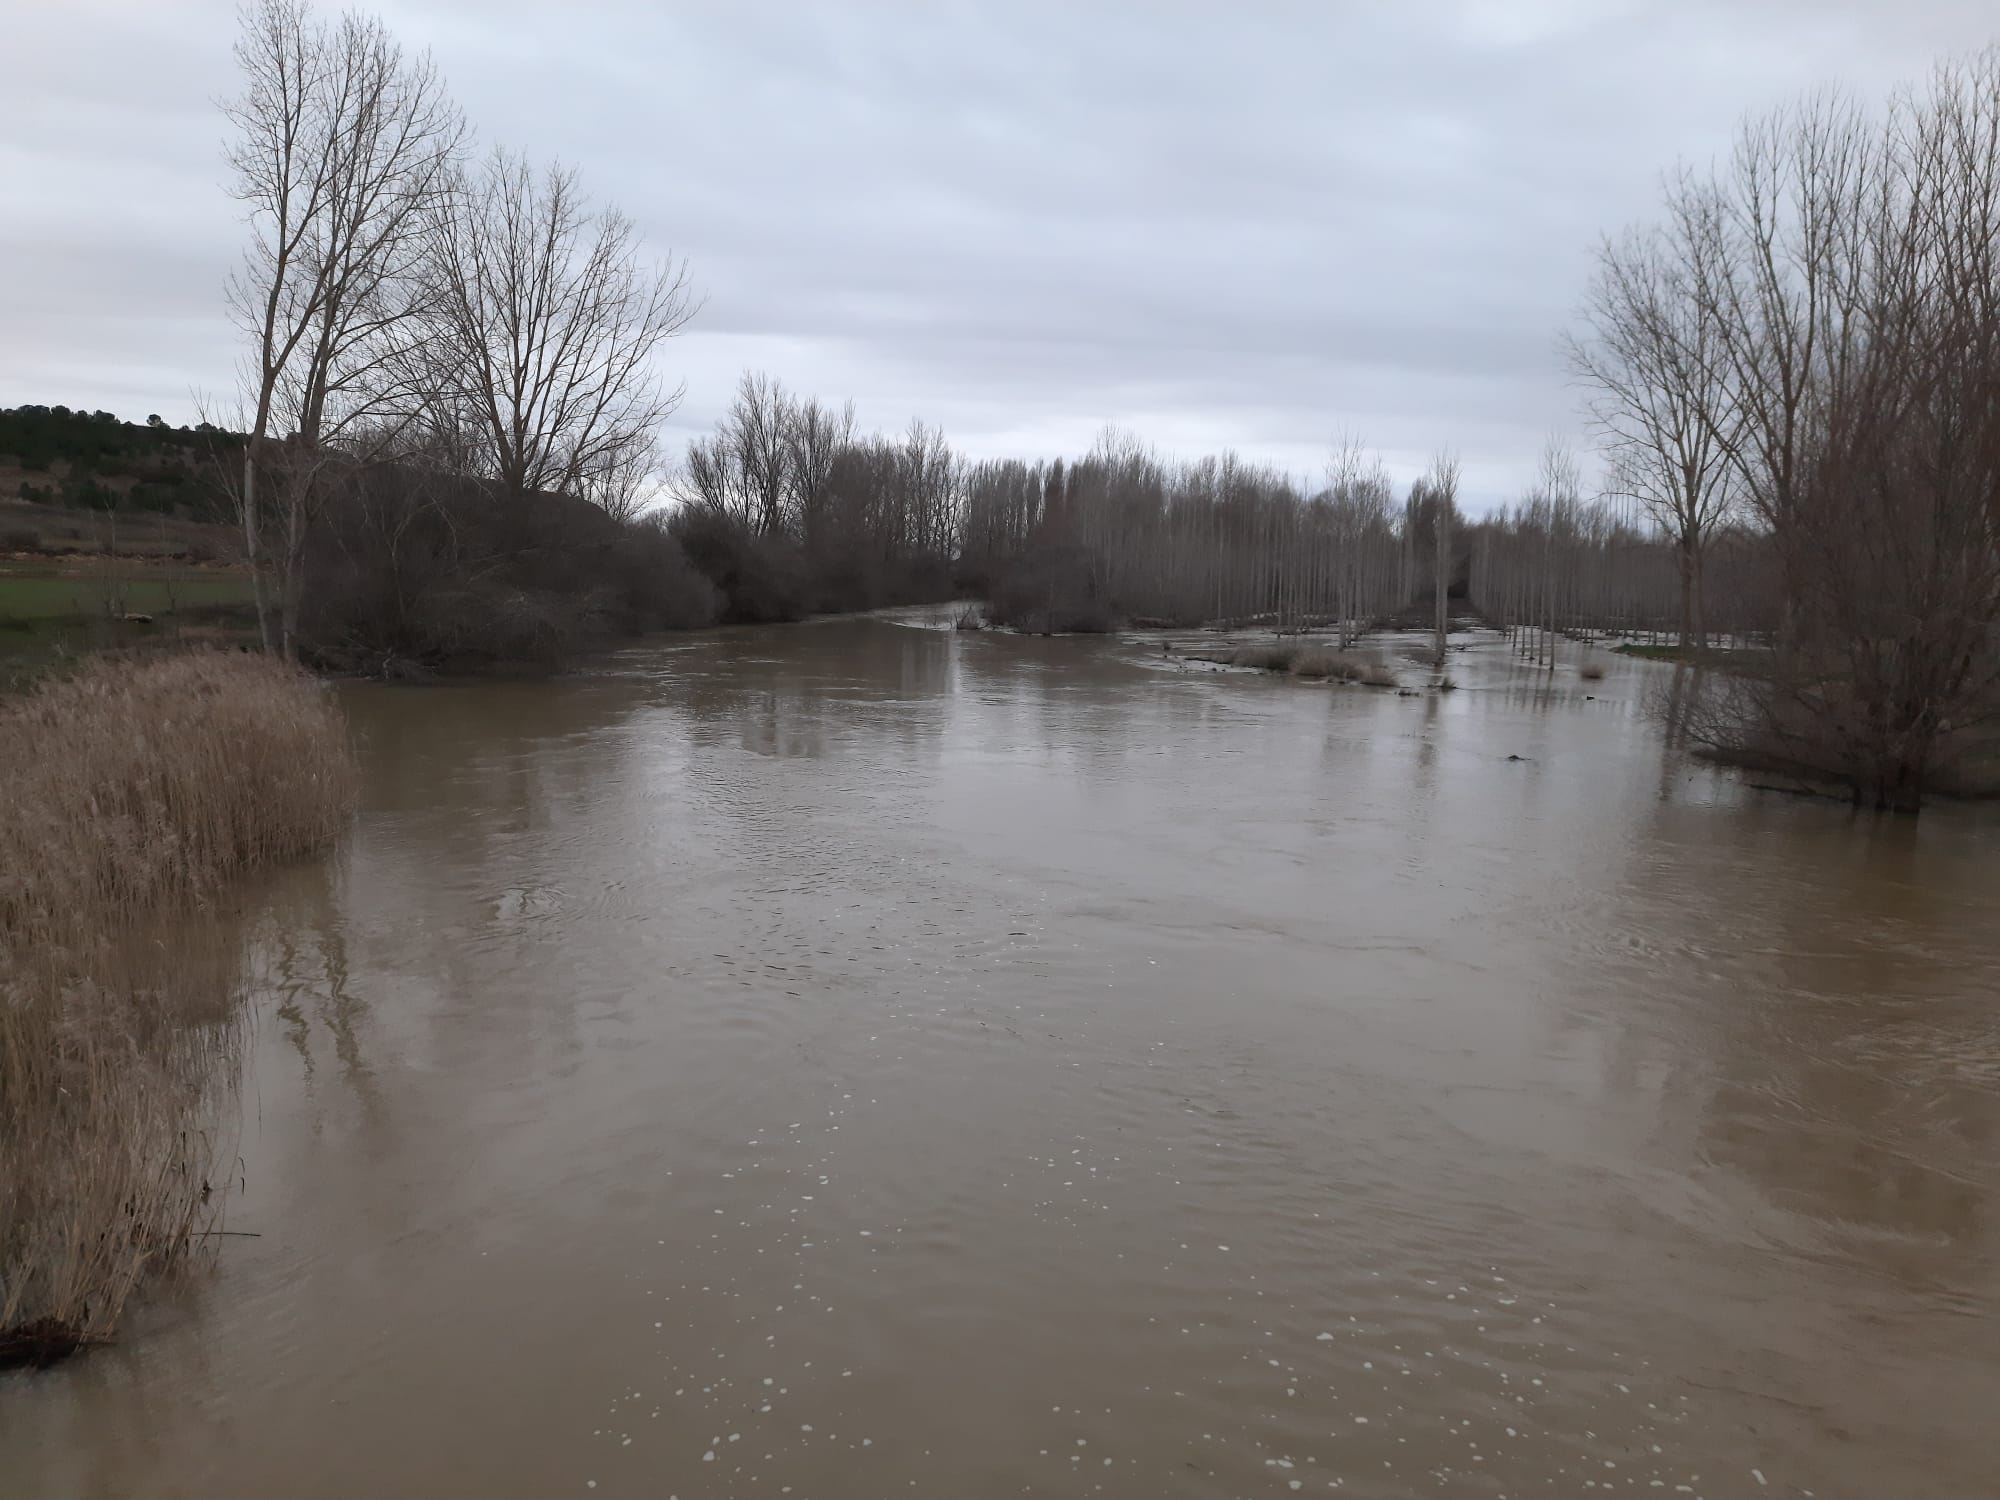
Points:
1687	562
291	582
1700	603
1443	580
248	502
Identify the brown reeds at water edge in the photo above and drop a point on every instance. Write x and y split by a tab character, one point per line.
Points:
1315	662
130	795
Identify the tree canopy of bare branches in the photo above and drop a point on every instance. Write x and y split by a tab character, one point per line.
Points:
1844	264
1432	511
343	144
542	326
1650	355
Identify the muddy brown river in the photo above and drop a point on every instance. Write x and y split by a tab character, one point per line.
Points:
862	1060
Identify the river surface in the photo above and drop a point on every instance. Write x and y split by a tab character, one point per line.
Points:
860	1060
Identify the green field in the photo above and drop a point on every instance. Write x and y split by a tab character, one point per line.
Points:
1741	661
28	597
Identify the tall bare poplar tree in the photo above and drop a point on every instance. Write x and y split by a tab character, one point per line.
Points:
1439	489
342	144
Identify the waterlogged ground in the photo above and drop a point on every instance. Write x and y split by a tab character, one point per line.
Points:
860	1060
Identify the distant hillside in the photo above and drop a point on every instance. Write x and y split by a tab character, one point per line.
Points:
50	455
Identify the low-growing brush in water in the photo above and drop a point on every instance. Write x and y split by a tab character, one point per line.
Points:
1591	671
1277	657
1316	662
127	793
1338	666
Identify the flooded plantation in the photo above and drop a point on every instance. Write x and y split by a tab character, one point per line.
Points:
861	1060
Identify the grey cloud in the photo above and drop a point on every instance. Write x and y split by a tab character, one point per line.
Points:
1256	225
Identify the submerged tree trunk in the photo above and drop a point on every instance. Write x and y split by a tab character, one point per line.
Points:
1698	593
1687	596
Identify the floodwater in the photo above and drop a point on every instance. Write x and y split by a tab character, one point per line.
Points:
859	1060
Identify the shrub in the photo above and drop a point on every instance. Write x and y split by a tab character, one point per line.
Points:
651	584
1591	671
1053	590
1318	662
760	579
405	565
128	791
1272	658
1315	662
20	539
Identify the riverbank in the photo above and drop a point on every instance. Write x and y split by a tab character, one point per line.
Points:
131	794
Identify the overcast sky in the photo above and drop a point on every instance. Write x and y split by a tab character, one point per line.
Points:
1226	224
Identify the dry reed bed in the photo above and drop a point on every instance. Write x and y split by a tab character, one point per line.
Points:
1315	662
129	793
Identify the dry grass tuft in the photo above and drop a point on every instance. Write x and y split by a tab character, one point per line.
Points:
1591	671
128	793
1318	662
1276	657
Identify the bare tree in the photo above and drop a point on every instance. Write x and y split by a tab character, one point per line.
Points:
759	432
1358	498
1430	512
342	144
1848	264
625	484
1651	354
815	437
544	330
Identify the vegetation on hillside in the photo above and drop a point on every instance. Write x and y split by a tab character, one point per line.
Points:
55	456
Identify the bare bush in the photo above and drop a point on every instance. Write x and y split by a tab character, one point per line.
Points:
1276	657
1055	589
412	567
1339	666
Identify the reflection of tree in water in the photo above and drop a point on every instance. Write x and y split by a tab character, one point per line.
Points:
299	958
792	692
465	788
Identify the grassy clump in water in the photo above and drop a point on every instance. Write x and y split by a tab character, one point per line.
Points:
1316	662
127	793
1276	657
1338	666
